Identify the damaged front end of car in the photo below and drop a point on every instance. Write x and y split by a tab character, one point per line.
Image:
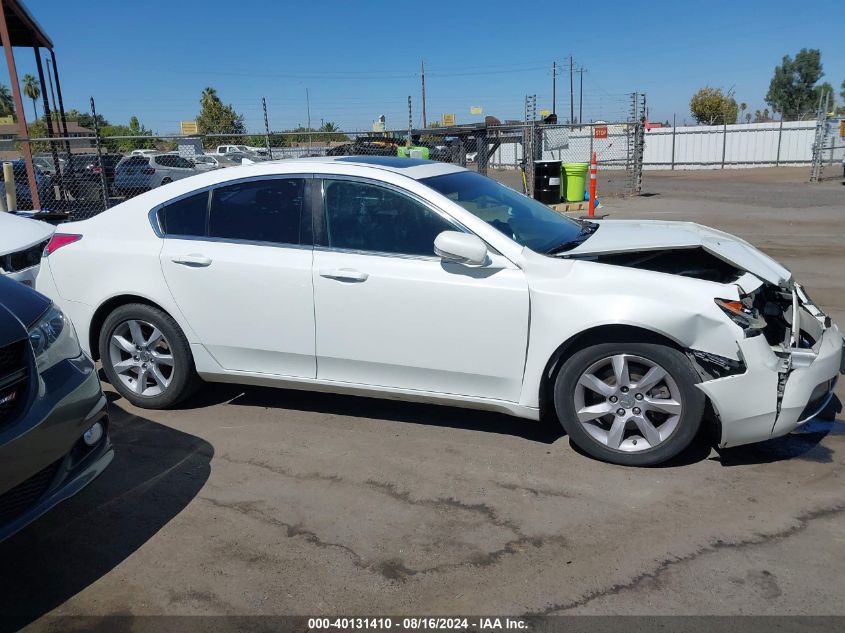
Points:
789	352
790	356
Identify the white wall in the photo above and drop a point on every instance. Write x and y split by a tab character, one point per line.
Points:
745	145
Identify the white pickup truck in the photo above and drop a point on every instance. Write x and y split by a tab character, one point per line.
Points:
222	150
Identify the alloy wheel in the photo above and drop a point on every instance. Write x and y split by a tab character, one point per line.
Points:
628	403
141	357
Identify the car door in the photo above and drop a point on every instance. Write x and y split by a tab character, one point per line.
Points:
390	313
237	260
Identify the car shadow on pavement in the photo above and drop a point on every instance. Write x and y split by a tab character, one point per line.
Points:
544	431
804	443
155	473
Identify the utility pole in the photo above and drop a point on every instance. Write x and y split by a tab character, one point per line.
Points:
50	81
581	97
554	94
408	142
422	76
266	128
308	114
571	94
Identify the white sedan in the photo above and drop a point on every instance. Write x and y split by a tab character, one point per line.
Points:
417	280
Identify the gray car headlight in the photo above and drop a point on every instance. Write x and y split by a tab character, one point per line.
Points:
53	339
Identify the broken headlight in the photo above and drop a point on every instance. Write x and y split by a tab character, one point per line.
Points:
744	315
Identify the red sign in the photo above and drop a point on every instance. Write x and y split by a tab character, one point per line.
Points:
600	131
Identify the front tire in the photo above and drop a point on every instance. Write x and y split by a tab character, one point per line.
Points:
146	356
634	404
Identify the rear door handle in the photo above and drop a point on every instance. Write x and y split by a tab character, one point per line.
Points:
344	274
194	260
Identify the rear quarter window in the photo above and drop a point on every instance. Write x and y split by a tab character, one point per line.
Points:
186	217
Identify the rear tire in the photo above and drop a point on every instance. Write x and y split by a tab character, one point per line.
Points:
146	357
634	404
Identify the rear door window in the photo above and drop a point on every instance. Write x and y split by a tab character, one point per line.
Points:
268	210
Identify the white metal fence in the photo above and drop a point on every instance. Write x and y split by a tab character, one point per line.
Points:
734	146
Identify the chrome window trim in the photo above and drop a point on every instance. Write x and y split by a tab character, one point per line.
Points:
356	251
155	222
227	240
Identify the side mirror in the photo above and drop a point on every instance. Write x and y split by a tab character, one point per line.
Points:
461	248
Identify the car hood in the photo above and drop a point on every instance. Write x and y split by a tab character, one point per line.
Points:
17	234
620	236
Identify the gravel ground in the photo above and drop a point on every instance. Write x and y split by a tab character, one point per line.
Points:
261	501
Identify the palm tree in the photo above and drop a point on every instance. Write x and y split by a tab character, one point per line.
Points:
7	106
209	94
32	89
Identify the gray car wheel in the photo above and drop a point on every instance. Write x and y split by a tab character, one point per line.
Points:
629	403
146	356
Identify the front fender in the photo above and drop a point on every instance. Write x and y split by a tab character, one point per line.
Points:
570	297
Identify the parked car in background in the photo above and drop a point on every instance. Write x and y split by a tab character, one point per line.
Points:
137	174
22	240
47	165
222	150
206	162
53	414
24	196
420	280
82	175
225	150
143	152
238	158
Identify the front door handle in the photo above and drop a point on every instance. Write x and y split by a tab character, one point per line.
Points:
344	274
194	260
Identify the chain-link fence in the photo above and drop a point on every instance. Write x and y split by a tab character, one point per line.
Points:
81	176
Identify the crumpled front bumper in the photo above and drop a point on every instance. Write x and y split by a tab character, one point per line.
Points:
781	388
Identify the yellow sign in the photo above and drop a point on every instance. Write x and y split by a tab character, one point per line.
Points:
189	127
475	109
7	120
545	113
842	128
447	120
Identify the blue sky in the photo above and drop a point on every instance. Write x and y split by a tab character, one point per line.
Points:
361	59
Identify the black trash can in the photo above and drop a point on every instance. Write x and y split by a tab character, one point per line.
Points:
547	181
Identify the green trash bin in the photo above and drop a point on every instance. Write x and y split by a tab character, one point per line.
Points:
412	152
575	176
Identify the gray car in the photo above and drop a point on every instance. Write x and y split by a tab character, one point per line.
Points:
136	174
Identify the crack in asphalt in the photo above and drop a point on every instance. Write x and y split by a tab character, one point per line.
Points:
393	569
802	522
536	491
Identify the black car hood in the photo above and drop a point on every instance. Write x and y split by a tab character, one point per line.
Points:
20	307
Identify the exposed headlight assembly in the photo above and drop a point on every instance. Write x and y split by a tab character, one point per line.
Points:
745	316
53	339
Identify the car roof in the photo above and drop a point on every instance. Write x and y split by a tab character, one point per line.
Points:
412	167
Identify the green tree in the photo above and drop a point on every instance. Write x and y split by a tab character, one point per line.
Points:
742	108
217	118
32	89
762	116
330	131
7	105
134	128
711	106
823	89
87	120
792	91
209	94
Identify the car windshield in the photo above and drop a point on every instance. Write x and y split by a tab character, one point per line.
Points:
524	220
